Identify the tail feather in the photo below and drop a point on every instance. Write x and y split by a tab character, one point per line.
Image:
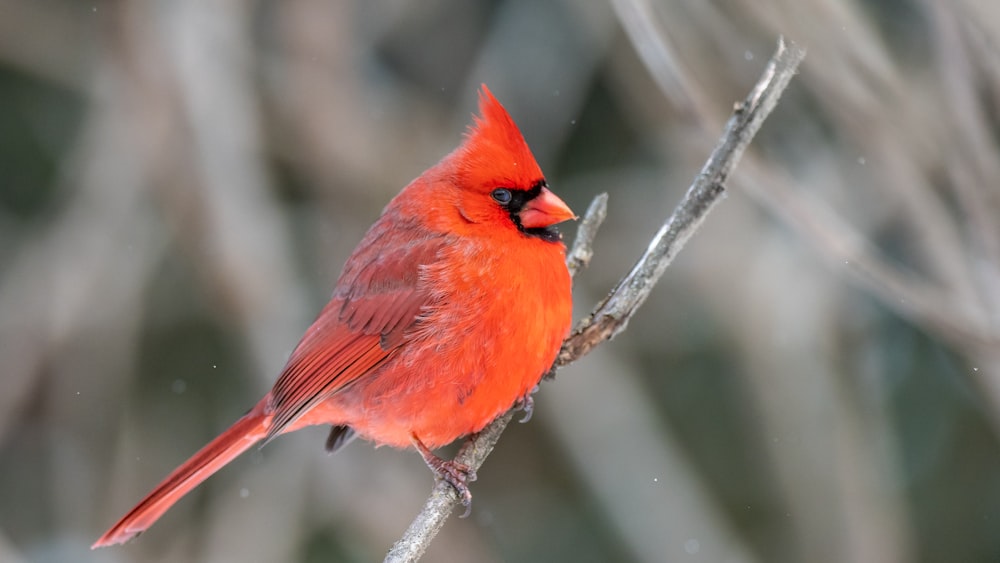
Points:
246	432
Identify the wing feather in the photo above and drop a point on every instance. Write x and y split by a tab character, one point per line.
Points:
378	298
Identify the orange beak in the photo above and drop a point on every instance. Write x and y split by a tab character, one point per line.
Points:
544	210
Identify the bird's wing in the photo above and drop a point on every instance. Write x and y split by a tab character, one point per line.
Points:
378	298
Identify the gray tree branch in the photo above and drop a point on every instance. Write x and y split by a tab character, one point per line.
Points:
612	315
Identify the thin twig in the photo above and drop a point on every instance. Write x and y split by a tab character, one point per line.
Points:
583	246
611	316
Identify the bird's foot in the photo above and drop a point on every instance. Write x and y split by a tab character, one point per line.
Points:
526	404
455	473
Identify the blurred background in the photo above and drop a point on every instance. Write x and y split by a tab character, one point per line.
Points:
817	378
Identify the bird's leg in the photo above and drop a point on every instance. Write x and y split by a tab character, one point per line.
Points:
456	474
526	404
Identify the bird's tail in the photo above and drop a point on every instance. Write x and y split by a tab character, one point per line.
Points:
246	432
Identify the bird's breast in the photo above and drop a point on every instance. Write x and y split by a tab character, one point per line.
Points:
493	328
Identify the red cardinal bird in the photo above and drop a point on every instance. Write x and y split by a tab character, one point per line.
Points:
448	312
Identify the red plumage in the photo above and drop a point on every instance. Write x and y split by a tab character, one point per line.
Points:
449	310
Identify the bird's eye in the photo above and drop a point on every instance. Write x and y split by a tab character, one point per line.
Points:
501	196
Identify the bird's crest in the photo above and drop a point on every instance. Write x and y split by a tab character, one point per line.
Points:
494	152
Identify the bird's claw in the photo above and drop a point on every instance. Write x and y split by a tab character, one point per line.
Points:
458	475
455	473
526	404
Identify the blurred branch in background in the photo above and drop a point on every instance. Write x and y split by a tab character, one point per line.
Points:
182	180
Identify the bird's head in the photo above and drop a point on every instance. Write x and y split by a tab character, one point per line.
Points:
498	179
